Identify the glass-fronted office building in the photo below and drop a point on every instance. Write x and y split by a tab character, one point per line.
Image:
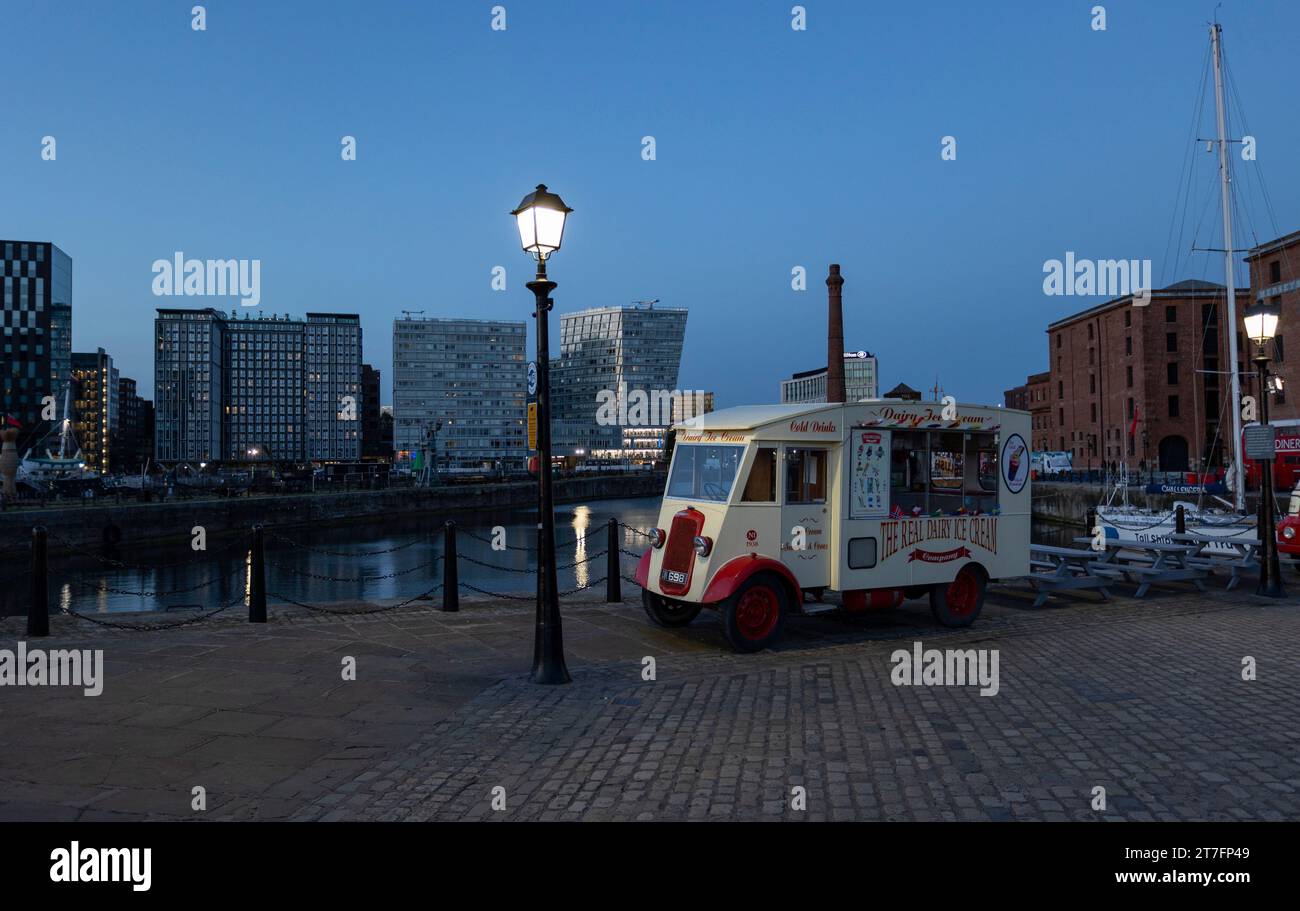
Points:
861	381
35	332
619	352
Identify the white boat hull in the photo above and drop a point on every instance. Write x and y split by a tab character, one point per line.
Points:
1144	527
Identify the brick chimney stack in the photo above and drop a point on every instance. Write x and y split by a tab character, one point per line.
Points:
835	337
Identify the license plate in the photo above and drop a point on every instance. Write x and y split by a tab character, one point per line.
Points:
674	577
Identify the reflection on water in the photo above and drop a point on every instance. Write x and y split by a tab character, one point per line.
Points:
395	559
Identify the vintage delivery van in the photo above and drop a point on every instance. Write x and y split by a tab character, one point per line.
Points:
880	500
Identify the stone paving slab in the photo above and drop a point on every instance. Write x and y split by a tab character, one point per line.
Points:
1143	698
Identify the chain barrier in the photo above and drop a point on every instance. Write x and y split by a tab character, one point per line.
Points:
393	575
242	568
99	587
344	612
572	591
349	553
524	547
587	559
152	627
635	531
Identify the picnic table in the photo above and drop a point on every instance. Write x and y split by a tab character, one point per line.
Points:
1148	563
1065	569
1244	554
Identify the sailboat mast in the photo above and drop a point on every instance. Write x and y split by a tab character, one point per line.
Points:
1238	468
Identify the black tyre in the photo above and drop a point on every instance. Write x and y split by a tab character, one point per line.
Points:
958	603
667	612
754	616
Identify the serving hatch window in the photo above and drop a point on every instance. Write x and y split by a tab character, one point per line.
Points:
942	472
704	472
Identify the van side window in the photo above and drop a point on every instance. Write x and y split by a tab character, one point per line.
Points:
947	471
761	486
909	464
982	469
805	475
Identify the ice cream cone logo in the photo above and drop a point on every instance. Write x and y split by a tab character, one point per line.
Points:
1015	463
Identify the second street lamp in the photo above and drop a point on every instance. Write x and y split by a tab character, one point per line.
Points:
1261	325
540	218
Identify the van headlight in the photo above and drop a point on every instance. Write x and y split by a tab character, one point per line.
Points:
1288	532
657	537
703	545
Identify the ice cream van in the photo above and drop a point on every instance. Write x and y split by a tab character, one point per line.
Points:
879	500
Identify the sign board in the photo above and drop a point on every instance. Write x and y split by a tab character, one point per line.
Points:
532	425
532	378
1261	442
869	485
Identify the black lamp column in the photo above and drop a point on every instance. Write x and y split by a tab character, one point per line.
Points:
1270	570
548	638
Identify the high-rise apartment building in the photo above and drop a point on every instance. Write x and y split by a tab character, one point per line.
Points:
133	443
189	385
469	376
95	407
257	388
35	332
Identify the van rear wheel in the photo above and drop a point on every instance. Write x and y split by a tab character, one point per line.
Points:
666	612
754	615
958	603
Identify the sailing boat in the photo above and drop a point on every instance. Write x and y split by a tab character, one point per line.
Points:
1131	523
68	464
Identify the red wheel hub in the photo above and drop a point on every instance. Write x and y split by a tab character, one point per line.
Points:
963	593
757	613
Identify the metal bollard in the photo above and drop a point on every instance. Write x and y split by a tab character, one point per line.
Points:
257	585
38	609
1180	520
613	590
450	581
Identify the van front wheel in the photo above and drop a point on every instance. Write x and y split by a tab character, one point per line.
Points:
755	615
959	602
666	612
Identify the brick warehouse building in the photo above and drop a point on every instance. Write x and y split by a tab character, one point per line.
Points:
1143	385
1033	397
1275	276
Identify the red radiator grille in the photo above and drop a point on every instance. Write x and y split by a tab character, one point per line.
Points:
679	552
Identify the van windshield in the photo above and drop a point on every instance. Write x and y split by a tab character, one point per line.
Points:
703	472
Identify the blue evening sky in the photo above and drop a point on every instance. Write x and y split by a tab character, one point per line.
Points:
775	148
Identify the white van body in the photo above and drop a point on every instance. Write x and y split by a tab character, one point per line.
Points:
1048	464
878	500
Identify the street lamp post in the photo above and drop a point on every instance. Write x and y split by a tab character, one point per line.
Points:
1261	326
540	218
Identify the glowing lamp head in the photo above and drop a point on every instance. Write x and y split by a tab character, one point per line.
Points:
540	218
1261	322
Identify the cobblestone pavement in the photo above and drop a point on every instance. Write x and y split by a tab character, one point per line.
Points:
1143	698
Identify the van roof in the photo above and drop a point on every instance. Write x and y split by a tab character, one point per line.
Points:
748	417
752	417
